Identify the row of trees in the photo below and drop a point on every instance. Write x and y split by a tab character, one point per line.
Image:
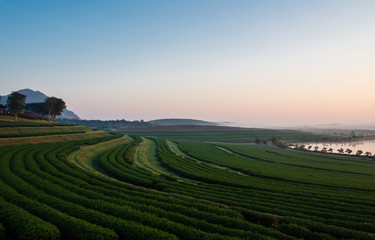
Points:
348	151
275	141
51	107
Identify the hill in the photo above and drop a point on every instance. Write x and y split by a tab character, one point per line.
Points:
180	121
35	97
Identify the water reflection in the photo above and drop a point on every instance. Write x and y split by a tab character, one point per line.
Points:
363	145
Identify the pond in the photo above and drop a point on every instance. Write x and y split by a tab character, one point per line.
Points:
367	145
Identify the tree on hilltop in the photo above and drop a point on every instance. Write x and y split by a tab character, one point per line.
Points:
54	107
16	103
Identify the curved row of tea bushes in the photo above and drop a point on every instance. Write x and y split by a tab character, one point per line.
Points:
70	172
325	225
340	223
116	210
263	162
116	194
77	206
25	170
128	230
176	163
24	225
70	227
117	173
201	224
340	210
40	175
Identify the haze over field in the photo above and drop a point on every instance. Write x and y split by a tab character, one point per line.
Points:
255	62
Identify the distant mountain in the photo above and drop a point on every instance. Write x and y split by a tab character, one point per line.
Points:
36	96
179	121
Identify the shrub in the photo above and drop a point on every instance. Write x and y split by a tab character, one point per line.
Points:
294	230
25	225
2	231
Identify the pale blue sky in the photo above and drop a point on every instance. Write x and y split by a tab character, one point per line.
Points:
274	62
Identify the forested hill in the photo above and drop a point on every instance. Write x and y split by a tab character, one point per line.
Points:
37	97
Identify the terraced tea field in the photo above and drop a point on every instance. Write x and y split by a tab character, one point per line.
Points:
222	134
130	187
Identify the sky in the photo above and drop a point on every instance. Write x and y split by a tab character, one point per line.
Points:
255	62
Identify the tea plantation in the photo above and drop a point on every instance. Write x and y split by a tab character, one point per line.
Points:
150	188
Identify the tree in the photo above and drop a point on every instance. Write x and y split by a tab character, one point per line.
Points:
316	148
309	147
359	153
258	141
16	103
49	104
368	154
301	147
59	107
36	108
324	150
348	151
330	150
340	150
54	107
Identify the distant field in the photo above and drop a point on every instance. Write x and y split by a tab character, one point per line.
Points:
224	134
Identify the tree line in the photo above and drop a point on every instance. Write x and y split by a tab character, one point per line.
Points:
51	107
100	124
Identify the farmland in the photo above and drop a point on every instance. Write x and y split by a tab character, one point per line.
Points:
130	187
225	134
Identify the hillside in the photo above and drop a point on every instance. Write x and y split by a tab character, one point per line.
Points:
35	97
180	121
26	131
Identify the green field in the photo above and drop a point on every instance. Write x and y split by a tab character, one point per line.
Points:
284	165
130	187
233	136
